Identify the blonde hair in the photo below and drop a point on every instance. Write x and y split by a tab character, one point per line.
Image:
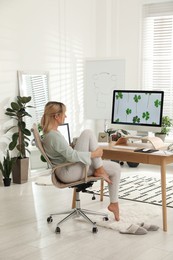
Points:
51	109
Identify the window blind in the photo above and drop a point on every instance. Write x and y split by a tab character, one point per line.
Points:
157	56
35	86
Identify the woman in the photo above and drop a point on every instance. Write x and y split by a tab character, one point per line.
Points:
86	151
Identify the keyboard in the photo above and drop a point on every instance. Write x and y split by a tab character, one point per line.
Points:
125	147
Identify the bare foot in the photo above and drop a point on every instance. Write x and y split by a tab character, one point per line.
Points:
100	172
114	208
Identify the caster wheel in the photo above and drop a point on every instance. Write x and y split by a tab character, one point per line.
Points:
95	230
105	219
49	219
93	197
57	230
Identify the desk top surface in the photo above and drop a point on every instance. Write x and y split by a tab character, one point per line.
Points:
111	147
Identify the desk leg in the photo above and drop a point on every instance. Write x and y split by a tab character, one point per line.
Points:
163	187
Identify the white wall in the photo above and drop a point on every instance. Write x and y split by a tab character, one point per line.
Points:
32	33
31	38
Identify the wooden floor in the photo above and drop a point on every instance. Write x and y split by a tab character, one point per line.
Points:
25	234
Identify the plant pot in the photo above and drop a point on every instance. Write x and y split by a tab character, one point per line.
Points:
132	164
161	136
7	181
20	171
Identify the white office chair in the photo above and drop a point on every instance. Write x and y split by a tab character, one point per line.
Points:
78	186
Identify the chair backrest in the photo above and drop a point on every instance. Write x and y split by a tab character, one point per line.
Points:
39	144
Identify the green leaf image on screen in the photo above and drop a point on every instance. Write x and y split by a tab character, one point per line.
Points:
128	111
137	98
119	96
157	103
136	119
146	115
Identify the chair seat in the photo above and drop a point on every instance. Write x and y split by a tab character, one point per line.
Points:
62	185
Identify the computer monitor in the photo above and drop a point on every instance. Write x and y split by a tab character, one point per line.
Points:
137	110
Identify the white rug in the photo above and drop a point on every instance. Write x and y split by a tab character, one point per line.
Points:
142	187
130	213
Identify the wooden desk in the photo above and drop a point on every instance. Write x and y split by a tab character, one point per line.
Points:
147	158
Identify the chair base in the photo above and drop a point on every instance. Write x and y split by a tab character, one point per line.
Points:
76	212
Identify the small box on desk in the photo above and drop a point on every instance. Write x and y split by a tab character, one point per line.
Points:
103	137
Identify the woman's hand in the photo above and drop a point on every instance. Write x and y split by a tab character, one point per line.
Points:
97	153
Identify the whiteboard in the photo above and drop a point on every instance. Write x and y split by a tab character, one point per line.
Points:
101	78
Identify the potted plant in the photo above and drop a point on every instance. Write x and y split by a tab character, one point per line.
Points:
20	138
6	167
165	127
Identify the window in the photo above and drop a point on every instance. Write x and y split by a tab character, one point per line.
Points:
157	57
34	84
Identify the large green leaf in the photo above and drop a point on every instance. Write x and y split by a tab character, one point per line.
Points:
26	138
10	114
24	100
26	132
12	145
15	106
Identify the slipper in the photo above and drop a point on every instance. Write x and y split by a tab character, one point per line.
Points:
149	227
134	230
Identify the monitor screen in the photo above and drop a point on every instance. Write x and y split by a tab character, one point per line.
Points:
137	109
65	131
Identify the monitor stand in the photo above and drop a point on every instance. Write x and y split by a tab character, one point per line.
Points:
156	142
